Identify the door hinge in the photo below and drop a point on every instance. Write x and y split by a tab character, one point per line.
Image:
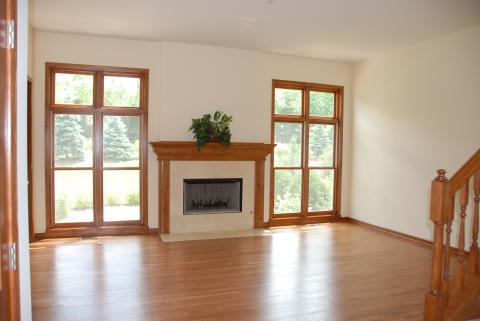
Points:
9	257
7	34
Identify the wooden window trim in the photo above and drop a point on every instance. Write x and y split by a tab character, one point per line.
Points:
98	111
305	217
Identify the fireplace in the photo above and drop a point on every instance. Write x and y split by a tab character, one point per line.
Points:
210	196
171	203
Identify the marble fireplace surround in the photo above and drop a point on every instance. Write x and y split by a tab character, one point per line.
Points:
168	151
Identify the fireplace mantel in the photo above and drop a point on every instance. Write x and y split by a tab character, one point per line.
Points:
170	150
167	151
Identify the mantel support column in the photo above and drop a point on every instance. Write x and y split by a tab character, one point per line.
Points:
164	197
259	193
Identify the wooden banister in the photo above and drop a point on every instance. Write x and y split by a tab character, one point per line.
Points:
439	304
469	169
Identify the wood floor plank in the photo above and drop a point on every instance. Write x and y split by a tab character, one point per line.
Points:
327	272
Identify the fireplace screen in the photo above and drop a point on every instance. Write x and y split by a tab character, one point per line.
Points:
218	195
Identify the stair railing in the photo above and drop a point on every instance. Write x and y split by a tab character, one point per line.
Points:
441	302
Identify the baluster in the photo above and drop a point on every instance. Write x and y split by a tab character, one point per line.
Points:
474	259
460	267
446	263
449	215
435	298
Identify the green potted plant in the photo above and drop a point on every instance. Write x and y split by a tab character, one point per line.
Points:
212	129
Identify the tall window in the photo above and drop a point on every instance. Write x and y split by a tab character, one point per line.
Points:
307	130
96	143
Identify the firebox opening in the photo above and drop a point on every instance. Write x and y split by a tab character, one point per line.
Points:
215	195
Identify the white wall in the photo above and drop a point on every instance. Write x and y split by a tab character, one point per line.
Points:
22	177
415	110
186	81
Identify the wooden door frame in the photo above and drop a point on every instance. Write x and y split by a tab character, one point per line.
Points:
31	222
9	280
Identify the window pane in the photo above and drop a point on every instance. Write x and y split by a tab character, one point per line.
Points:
320	197
73	140
73	89
321	104
121	141
73	196
288	190
320	151
121	91
288	101
121	195
288	152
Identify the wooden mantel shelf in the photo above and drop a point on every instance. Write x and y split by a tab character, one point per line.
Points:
187	151
171	150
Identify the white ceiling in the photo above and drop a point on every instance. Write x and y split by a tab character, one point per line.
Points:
344	30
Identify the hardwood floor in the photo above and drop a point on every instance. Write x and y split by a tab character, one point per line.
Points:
334	271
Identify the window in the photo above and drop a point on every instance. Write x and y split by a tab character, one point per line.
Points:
96	144
306	128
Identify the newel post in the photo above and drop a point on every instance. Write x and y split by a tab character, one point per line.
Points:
439	208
